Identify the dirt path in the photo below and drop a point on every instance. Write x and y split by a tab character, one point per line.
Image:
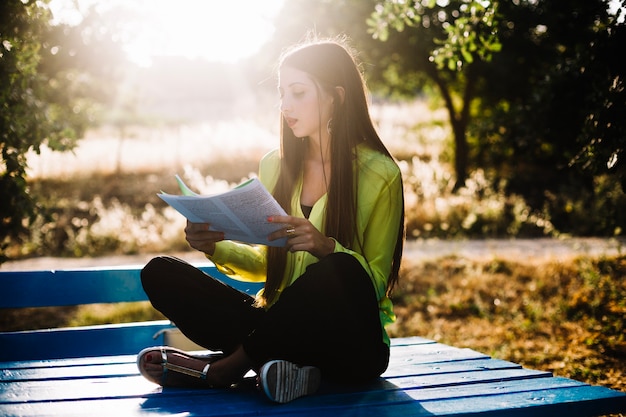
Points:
533	250
530	250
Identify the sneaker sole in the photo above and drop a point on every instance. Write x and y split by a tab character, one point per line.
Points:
283	381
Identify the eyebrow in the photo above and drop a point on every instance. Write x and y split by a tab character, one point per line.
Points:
294	83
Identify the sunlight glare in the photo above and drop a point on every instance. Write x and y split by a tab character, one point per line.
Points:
215	30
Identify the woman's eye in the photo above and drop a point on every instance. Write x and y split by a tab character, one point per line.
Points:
298	93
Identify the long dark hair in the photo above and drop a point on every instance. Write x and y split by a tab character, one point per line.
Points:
330	64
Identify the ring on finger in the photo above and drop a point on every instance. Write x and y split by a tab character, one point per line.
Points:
290	231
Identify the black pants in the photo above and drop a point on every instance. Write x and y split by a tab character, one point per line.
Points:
328	318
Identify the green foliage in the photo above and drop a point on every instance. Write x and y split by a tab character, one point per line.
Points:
540	96
473	34
49	83
552	114
468	28
20	33
448	42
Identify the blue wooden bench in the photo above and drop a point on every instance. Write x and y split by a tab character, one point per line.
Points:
91	370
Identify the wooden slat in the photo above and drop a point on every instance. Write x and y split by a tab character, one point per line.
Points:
549	396
90	367
67	362
396	369
86	286
115	386
70	287
129	368
549	402
73	342
130	358
73	372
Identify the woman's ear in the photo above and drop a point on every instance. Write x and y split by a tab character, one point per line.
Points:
341	93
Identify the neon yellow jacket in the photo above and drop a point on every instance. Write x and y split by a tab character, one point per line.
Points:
379	206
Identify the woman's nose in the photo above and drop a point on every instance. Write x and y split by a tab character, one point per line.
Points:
285	105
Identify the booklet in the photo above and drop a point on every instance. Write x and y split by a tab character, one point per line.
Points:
241	213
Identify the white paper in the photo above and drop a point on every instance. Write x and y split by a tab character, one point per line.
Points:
241	213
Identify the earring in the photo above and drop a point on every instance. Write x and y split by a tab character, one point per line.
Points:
329	126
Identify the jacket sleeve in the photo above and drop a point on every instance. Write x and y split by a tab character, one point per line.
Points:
240	261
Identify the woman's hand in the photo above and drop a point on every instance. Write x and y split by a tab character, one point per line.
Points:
201	238
302	236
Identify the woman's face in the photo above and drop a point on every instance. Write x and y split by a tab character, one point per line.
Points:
305	111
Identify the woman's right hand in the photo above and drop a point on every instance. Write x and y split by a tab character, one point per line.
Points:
201	238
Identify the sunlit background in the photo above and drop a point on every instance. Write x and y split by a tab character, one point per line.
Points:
189	88
185	84
214	30
193	80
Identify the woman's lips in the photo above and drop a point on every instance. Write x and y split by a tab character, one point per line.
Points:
291	121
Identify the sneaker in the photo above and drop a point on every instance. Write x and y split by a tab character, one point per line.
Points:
284	381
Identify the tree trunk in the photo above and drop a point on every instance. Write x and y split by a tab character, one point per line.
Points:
461	151
459	121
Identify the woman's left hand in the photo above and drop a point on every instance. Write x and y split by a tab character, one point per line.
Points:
302	236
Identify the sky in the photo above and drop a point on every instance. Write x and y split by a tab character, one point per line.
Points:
209	29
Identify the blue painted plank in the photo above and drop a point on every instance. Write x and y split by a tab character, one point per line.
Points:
106	340
70	287
126	366
90	367
524	400
400	369
466	378
67	362
86	286
576	401
78	389
72	372
410	341
93	388
434	353
129	338
198	407
546	396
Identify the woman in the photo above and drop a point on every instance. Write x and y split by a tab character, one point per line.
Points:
325	300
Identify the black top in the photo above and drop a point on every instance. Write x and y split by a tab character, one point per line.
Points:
306	210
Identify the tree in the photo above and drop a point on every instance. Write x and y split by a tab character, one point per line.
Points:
49	84
448	42
552	120
546	86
